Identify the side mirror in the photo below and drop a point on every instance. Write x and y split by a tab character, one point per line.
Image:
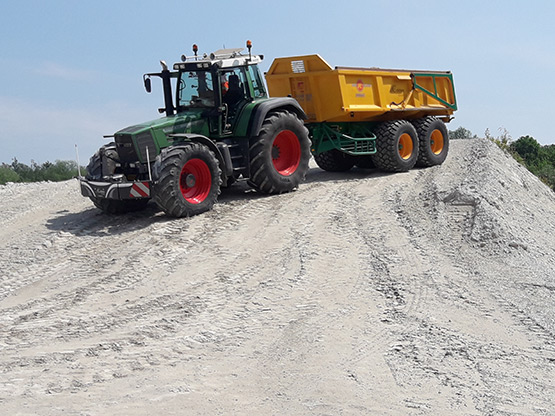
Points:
148	86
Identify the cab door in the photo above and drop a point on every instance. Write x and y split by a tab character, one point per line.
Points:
235	93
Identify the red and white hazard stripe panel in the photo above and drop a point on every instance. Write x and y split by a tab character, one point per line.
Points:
140	190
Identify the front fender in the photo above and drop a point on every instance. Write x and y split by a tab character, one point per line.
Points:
220	149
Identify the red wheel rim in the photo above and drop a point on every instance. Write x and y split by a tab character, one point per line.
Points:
286	153
195	181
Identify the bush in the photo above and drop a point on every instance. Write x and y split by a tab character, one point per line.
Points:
7	174
461	134
503	140
60	170
538	159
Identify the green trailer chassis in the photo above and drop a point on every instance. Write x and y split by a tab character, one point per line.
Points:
351	138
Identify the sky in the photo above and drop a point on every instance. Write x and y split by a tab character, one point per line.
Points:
71	71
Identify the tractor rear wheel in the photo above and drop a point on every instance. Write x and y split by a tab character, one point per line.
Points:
334	161
434	141
187	180
397	145
280	153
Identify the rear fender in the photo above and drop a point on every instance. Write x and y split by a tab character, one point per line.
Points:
273	104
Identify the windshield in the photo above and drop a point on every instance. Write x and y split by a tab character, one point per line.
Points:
195	89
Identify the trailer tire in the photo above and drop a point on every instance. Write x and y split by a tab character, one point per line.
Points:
334	161
434	141
364	162
279	155
187	180
397	145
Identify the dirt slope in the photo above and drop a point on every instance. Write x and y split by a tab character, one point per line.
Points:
430	292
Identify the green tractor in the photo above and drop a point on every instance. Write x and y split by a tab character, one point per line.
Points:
222	127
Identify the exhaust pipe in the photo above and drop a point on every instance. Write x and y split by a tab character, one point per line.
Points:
167	85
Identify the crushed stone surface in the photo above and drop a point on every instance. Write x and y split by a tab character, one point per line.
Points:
430	292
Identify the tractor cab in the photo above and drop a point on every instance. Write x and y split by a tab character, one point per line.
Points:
220	126
218	85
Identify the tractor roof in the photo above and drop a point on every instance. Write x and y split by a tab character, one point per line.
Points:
224	58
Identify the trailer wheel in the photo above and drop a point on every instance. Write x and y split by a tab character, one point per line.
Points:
187	180
280	153
397	145
334	161
434	141
364	162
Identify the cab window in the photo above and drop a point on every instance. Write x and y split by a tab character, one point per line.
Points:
257	84
196	89
234	89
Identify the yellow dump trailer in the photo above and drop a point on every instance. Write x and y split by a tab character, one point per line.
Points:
390	118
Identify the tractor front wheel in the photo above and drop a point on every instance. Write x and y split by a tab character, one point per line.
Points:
280	153
116	206
187	180
104	163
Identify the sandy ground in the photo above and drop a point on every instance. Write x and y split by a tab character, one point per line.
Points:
362	293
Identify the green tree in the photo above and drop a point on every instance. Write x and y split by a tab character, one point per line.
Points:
538	159
60	170
7	174
527	147
461	134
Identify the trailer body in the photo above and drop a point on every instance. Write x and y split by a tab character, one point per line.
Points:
361	94
388	118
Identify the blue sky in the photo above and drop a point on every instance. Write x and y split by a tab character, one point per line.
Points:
71	71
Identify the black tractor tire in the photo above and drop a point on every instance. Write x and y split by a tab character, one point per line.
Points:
279	155
364	162
434	141
187	180
334	161
94	168
103	163
397	146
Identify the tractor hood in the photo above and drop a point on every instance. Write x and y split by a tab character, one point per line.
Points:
132	142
